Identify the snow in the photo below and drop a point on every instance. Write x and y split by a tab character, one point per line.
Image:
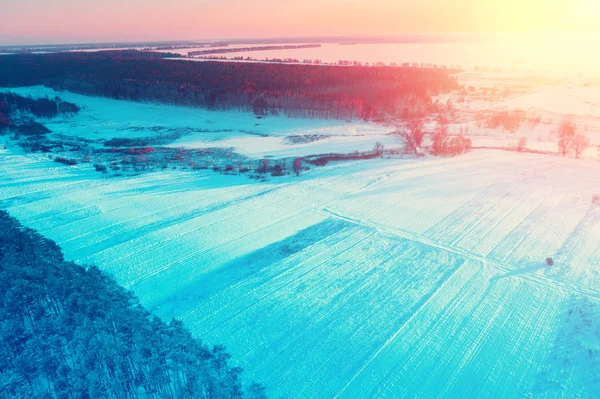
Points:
104	119
381	278
571	98
277	147
546	103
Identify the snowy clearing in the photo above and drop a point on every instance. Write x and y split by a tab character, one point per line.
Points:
104	119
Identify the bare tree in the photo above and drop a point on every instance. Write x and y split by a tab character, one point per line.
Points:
579	143
521	144
263	166
412	133
440	137
567	127
297	166
566	131
459	145
563	145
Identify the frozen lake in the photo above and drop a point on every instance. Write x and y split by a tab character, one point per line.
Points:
543	54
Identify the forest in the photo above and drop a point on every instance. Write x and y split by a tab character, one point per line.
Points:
318	91
72	332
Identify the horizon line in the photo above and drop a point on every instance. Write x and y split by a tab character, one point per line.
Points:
366	39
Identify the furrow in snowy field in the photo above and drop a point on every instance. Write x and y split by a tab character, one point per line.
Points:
468	216
575	259
109	196
220	308
377	372
218	221
475	332
389	277
251	269
518	204
510	221
412	205
204	260
347	305
543	236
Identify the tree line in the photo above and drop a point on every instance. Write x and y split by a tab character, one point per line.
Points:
296	90
72	332
12	104
255	48
16	111
412	132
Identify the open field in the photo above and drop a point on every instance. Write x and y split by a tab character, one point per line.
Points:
382	278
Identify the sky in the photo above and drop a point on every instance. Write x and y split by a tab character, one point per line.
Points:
82	21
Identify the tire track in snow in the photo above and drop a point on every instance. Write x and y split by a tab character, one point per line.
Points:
519	224
534	278
491	227
414	311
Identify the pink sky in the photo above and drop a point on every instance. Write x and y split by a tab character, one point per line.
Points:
76	21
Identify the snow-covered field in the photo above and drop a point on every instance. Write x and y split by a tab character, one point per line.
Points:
384	278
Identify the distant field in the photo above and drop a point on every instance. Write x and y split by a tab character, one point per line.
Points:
102	119
385	278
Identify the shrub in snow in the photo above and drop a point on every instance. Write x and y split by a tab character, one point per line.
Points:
412	132
569	140
439	140
321	161
263	166
578	144
65	161
277	171
99	167
31	129
521	143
